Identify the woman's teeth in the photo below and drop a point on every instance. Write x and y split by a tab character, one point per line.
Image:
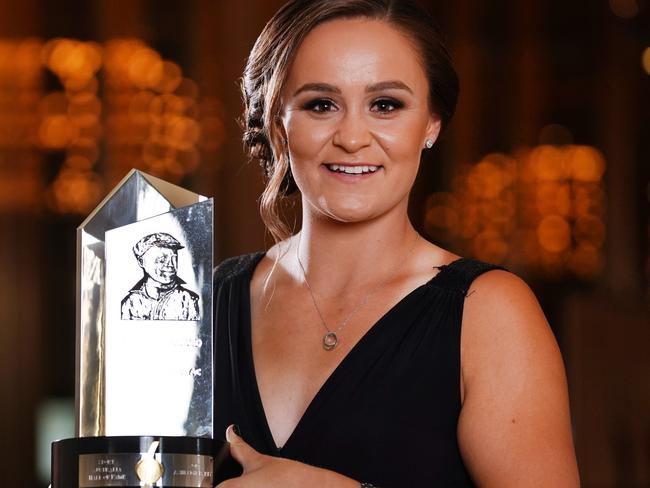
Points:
352	170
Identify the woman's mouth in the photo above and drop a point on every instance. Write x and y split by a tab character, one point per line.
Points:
354	170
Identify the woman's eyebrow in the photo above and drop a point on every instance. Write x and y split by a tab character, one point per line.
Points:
388	85
326	87
319	87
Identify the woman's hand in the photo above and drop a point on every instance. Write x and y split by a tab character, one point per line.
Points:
268	471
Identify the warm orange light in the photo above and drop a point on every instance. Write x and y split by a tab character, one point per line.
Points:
75	62
139	103
75	191
53	104
26	61
85	148
188	88
549	162
85	113
145	68
487	181
166	105
589	229
82	93
56	132
586	164
79	163
553	198
442	216
554	233
541	207
170	78
470	222
143	113
116	67
645	60
183	133
152	152
588	200
490	246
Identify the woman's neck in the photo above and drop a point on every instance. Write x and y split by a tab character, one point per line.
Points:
338	257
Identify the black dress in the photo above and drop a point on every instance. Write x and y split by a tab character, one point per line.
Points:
388	414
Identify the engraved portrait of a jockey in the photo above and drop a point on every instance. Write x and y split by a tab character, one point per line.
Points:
160	294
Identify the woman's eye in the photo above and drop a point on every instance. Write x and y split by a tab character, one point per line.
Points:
320	106
387	105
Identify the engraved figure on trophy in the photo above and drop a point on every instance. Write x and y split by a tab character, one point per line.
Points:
160	294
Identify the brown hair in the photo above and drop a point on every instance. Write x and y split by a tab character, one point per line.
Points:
269	63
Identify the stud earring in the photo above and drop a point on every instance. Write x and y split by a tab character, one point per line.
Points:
428	143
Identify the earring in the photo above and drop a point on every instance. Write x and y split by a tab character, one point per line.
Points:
428	143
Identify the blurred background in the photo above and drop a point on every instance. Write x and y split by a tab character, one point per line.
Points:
545	168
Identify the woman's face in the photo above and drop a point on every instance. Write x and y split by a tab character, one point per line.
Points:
356	118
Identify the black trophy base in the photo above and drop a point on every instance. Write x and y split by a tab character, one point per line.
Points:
137	461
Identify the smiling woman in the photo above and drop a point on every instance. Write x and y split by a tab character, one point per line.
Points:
354	351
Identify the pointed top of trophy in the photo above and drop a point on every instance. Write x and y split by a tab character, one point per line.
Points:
138	196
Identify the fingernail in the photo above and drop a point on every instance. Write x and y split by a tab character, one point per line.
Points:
235	429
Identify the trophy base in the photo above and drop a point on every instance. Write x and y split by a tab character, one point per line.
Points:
141	461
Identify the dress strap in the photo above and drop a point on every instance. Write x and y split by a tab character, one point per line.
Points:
236	265
460	274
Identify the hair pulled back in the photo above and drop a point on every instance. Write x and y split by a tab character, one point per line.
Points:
268	66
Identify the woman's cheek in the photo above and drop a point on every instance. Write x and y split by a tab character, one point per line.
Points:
400	145
307	137
305	142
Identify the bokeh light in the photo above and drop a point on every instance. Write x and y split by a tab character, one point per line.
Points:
542	208
121	96
645	60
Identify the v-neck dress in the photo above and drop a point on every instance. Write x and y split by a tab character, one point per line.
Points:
388	414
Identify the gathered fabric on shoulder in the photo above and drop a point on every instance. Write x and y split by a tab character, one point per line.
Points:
388	414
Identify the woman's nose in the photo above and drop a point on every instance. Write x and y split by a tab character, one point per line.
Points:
352	132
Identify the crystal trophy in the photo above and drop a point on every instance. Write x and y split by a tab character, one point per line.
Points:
144	394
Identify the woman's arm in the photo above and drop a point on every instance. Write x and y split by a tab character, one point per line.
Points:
514	429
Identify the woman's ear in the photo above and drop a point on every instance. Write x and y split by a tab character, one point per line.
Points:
433	127
279	126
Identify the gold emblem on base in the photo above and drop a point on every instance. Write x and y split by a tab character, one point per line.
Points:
149	469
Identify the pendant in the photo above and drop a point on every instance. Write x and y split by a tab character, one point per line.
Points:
330	340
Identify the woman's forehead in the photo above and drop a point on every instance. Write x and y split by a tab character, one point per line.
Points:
356	51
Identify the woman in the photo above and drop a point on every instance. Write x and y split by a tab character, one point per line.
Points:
339	353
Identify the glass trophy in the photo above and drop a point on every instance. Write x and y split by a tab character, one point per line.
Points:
144	394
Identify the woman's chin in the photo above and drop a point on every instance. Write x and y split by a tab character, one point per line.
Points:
346	211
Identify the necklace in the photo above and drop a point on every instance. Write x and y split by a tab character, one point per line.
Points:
331	338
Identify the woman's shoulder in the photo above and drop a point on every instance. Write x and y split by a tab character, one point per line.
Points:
495	283
505	333
493	288
461	273
236	266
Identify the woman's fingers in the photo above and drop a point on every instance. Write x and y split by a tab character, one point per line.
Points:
248	457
